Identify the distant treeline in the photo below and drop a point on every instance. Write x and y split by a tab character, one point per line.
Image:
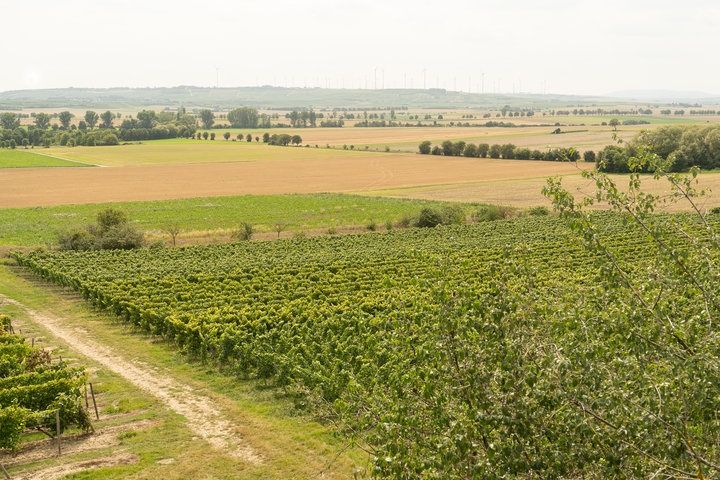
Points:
93	129
506	151
681	147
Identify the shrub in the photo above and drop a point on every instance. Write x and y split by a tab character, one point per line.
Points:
428	218
78	240
332	231
372	226
494	151
490	213
425	147
453	215
539	211
111	231
589	156
483	150
120	237
245	232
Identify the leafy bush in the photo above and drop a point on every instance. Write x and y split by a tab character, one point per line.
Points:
111	231
245	232
539	211
428	218
489	213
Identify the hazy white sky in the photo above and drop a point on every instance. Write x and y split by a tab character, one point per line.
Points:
564	46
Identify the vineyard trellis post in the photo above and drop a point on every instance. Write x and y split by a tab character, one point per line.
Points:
57	430
92	393
5	472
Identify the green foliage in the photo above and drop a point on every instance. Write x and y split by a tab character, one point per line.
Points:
245	232
424	147
539	211
490	213
32	390
111	231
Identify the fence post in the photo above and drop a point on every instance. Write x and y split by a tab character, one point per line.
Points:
92	392
57	429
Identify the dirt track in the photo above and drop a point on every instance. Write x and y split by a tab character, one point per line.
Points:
203	418
57	186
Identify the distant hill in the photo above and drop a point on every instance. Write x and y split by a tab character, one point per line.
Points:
665	96
277	97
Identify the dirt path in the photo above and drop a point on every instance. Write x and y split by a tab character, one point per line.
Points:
62	471
203	418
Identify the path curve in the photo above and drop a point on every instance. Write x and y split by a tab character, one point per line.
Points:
203	418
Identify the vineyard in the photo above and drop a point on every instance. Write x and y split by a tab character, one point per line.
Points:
484	351
33	389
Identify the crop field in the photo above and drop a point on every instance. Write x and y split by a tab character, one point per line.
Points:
365	328
21	158
406	139
338	172
205	216
181	151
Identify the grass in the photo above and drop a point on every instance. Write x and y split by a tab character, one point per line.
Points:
41	225
21	158
292	445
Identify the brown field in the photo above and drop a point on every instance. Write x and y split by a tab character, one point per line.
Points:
527	192
361	173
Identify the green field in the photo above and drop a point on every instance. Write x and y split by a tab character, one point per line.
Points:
25	159
41	225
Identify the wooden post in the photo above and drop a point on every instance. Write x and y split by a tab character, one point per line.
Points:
92	392
5	472
32	342
57	429
87	405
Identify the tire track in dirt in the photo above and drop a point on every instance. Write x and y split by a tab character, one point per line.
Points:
203	418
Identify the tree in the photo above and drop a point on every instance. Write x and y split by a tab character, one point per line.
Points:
205	135
212	135
240	137
147	119
173	230
249	137
589	156
447	148
279	227
614	123
494	151
425	147
507	151
266	137
483	149
296	140
91	118
207	117
226	136
65	119
107	119
470	150
9	121
243	117
42	120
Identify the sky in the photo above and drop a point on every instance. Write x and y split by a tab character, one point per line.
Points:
535	46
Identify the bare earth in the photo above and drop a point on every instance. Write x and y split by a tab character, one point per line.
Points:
40	187
203	418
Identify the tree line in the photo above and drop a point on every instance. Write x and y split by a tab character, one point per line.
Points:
94	128
678	147
506	151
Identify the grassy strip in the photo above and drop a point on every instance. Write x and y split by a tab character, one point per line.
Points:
40	225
